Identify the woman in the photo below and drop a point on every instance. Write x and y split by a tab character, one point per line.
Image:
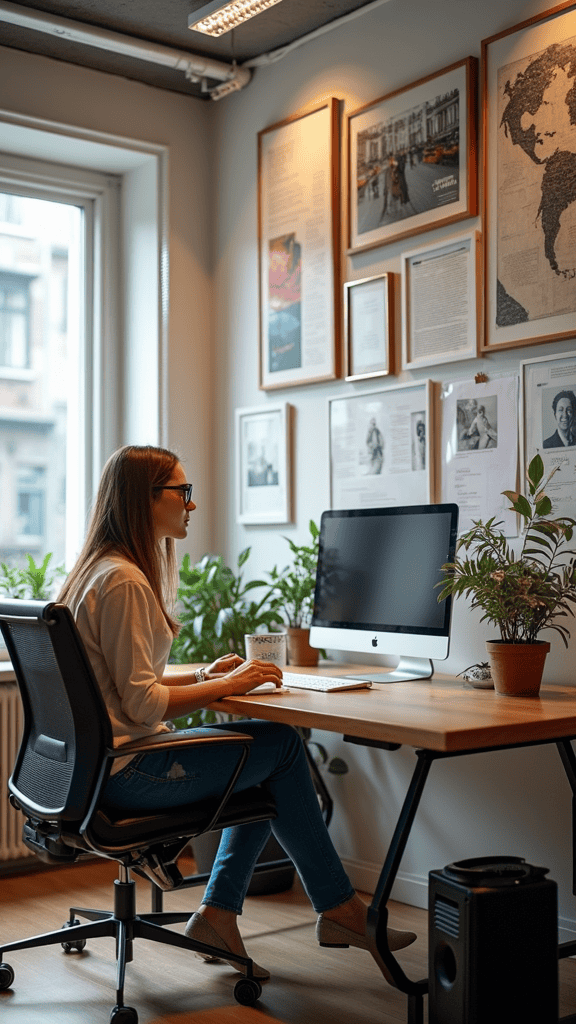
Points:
120	592
564	408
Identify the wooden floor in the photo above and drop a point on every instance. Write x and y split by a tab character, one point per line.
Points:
309	985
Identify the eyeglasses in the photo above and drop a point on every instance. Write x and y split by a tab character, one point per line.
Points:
185	491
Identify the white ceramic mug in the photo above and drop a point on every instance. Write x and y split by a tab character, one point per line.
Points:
266	647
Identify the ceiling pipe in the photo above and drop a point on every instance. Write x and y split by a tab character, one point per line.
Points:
196	69
265	59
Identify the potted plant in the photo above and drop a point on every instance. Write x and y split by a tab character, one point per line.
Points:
217	608
520	595
293	589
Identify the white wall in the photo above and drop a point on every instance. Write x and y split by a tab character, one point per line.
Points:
473	805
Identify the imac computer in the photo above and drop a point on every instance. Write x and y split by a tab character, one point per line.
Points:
375	585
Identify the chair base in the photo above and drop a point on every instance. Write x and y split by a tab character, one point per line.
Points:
126	925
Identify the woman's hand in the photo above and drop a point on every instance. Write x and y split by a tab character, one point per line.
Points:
251	673
222	666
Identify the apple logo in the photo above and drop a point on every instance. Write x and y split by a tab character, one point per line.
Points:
375	642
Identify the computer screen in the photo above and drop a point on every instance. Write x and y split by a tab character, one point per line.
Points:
375	585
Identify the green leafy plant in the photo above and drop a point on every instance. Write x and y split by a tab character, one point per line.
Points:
294	585
216	609
33	581
523	594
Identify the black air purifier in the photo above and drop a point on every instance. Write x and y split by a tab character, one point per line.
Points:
493	943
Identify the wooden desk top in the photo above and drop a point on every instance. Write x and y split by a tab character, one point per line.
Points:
439	714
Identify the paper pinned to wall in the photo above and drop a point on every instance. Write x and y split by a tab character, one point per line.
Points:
480	449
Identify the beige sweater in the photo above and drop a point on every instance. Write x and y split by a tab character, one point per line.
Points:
128	642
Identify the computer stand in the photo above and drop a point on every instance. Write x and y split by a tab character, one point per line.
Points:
406	670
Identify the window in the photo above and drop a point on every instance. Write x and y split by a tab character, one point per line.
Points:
14	320
82	360
55	233
31	506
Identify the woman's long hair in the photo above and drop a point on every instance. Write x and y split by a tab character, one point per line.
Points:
122	523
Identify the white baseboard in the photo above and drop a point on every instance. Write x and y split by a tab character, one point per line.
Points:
413	890
410	889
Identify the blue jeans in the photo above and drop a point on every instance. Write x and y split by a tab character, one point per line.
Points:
277	757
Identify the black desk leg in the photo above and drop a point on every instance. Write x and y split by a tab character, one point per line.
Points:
378	913
568	758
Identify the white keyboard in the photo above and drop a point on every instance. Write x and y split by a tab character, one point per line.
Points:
295	681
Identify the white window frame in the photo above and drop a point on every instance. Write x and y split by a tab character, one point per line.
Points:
98	369
129	306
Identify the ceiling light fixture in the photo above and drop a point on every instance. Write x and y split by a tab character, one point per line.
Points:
216	18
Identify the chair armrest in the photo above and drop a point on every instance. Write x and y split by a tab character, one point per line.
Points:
178	740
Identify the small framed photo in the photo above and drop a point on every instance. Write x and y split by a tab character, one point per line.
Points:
412	158
548	424
369	327
381	447
529	146
441	302
263	470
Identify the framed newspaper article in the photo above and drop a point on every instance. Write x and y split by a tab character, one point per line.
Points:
529	132
412	162
441	302
299	246
369	327
381	447
548	424
263	470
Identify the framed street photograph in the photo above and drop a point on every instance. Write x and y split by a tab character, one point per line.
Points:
412	159
441	302
529	171
369	327
299	246
263	470
381	447
548	424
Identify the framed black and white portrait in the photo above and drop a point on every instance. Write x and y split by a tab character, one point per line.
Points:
263	471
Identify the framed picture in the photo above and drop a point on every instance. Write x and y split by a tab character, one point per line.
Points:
263	471
529	172
478	444
548	424
369	327
441	302
380	447
299	248
412	162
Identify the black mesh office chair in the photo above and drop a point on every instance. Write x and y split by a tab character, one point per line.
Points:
61	770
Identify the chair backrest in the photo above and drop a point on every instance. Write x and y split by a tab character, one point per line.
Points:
66	724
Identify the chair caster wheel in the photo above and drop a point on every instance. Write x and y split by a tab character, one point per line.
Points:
247	991
78	944
123	1015
6	976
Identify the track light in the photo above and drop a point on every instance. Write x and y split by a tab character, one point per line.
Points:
217	17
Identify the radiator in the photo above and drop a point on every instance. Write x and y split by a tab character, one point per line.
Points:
11	821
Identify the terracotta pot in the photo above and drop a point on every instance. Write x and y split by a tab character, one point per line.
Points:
517	668
299	650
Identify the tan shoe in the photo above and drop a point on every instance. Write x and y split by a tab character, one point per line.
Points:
198	928
330	933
